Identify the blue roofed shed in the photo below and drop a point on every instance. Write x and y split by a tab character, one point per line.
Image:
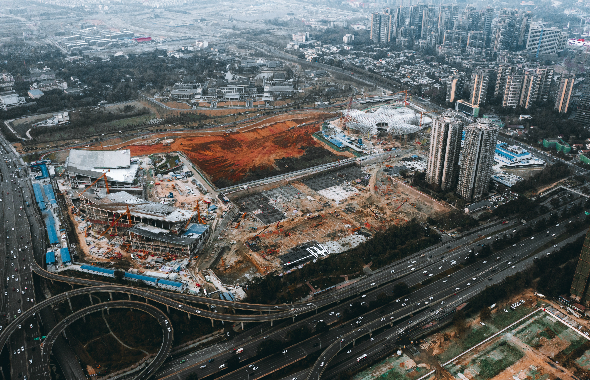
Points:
50	258
197	229
50	225
171	283
65	255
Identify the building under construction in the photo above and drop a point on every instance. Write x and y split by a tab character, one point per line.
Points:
153	240
151	227
393	120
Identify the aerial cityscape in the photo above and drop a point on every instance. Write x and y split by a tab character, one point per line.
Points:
295	189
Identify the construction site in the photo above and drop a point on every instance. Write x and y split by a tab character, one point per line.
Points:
285	227
153	205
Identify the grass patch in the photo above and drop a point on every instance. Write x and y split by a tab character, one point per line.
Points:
496	360
136	329
501	319
111	355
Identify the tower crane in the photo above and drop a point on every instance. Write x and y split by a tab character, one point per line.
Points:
344	118
405	92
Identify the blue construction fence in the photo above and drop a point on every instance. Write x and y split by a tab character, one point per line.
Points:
148	280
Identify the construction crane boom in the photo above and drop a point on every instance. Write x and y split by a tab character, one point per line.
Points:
111	226
405	97
106	183
129	216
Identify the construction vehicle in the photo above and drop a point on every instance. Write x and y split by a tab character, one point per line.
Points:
106	183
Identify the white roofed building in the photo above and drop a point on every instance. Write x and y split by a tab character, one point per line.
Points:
86	165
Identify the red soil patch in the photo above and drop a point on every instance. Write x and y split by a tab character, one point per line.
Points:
232	156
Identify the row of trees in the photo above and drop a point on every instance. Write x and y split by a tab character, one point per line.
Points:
385	247
546	176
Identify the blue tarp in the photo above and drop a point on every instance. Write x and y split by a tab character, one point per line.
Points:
44	171
50	225
39	196
97	269
171	283
338	143
50	257
49	194
228	296
195	228
65	255
140	277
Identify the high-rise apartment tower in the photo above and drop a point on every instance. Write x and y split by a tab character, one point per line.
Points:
445	146
580	290
381	28
564	93
477	159
479	86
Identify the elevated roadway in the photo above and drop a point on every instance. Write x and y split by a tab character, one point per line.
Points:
157	314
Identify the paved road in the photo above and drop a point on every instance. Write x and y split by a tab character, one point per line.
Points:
18	293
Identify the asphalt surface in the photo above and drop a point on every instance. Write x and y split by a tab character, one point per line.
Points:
16	247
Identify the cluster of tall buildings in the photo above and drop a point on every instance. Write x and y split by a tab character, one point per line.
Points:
514	86
466	28
467	167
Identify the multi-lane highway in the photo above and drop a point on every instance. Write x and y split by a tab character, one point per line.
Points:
427	268
23	248
18	293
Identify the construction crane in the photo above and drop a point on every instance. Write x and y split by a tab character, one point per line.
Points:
128	213
199	219
106	183
111	226
189	221
405	97
344	118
